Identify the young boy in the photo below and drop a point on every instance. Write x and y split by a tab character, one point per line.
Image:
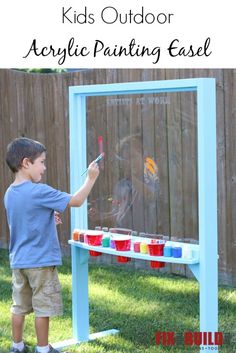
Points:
34	247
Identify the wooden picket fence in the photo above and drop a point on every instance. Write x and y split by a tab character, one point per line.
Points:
148	180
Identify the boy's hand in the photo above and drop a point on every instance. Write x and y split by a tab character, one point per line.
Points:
57	217
93	171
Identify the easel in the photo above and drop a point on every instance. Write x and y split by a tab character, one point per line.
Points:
206	270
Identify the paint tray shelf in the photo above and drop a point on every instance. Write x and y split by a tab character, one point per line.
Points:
134	255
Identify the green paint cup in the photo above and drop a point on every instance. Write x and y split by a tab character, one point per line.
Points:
106	242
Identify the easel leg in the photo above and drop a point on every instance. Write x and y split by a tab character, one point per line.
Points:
80	306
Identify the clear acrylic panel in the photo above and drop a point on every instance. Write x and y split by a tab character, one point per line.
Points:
148	179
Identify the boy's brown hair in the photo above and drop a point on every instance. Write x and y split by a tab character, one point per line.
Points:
20	148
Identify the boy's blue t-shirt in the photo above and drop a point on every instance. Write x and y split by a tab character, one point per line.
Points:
33	235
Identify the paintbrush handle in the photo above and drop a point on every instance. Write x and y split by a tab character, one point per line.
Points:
96	160
84	172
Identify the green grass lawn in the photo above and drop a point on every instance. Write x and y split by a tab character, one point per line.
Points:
138	303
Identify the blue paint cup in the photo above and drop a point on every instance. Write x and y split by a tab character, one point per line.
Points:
168	251
177	252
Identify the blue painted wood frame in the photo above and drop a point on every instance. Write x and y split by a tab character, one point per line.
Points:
207	270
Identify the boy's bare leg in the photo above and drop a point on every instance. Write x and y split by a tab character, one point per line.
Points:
42	330
17	327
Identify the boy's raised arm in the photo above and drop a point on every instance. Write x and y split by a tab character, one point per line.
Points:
80	196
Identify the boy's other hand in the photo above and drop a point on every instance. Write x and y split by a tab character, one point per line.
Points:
57	217
93	171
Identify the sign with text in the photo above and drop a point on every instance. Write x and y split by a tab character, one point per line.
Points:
111	34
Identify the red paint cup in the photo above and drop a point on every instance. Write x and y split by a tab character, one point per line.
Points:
155	249
94	238
122	243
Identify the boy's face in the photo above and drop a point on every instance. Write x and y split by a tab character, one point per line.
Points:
37	168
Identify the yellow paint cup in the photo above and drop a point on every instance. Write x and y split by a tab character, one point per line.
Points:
143	248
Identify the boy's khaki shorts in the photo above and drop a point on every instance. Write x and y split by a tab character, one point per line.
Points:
36	290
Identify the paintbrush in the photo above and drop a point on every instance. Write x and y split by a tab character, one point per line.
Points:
96	160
